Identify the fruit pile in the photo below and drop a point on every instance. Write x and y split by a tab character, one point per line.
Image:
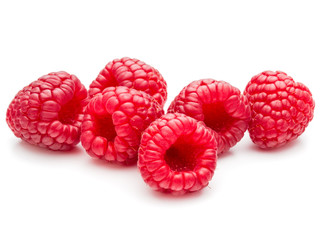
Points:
120	119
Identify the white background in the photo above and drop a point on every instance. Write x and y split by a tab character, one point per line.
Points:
254	194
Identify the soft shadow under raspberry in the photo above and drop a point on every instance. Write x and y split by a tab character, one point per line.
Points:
76	150
290	146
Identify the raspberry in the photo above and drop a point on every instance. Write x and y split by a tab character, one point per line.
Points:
48	112
177	154
281	108
114	121
131	73
219	105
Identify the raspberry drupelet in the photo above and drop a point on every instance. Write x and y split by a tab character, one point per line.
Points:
48	112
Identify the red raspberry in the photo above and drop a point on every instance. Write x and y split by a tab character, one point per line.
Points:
48	112
281	108
131	73
114	122
177	154
219	105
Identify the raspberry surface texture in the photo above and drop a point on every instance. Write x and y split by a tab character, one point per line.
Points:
114	122
281	108
131	73
48	112
177	154
219	105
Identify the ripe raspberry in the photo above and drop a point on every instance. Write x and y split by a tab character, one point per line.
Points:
219	105
114	122
48	112
281	108
131	73
177	154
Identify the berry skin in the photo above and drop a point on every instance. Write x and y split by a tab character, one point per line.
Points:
48	112
114	122
177	154
219	105
131	73
281	108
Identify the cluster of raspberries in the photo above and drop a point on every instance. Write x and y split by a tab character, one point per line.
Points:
121	119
